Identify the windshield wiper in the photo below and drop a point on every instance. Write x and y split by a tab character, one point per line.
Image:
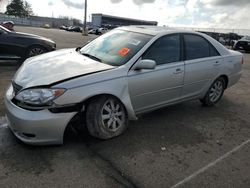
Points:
92	57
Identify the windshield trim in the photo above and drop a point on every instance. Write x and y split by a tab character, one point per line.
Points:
148	37
91	57
132	31
5	29
246	38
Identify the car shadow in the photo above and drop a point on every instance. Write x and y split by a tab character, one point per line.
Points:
161	128
178	126
10	63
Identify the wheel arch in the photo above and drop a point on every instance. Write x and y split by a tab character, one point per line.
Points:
225	77
127	105
34	45
79	115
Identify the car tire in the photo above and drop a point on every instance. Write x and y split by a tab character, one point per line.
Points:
106	117
35	50
214	93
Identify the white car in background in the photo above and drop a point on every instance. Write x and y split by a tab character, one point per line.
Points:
123	73
222	40
102	30
242	44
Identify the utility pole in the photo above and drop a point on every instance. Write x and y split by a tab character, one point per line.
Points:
85	32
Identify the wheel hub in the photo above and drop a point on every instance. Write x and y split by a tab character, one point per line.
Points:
113	116
216	91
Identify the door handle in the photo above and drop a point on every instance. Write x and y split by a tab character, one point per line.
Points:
217	63
178	71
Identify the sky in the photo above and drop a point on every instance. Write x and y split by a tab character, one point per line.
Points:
230	14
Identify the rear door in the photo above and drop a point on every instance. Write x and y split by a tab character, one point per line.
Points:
153	88
202	65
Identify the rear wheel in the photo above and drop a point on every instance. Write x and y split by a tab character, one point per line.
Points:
214	93
106	117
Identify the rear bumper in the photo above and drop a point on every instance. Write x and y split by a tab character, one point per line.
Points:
233	79
36	127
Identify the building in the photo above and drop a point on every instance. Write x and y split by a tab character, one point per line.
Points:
102	20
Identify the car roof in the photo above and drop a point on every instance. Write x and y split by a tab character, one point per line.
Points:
153	30
158	30
245	38
8	22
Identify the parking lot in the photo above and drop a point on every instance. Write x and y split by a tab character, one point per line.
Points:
185	145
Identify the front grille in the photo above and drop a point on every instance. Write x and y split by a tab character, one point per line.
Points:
16	87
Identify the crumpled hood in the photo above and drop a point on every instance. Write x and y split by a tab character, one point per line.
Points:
56	66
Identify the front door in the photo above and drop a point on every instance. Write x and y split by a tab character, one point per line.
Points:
9	48
3	50
150	89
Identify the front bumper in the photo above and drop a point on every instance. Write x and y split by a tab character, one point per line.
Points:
233	79
36	127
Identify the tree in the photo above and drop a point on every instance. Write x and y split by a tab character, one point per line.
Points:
16	8
28	9
76	21
19	8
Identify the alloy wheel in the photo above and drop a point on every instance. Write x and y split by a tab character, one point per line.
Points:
112	115
216	91
35	51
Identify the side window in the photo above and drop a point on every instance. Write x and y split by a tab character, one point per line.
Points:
213	51
197	47
165	50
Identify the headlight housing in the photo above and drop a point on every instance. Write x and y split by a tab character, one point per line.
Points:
39	96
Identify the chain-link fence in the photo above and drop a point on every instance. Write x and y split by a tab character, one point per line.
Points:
36	21
20	21
219	30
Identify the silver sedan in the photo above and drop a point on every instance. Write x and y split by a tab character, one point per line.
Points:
125	72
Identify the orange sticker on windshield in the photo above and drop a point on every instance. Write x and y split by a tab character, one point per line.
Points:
123	51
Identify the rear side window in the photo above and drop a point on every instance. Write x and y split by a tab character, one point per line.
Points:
197	47
165	50
213	51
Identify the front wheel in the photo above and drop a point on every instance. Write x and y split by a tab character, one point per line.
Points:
214	93
35	50
106	117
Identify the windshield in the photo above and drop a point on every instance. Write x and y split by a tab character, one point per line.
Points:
116	47
246	38
4	29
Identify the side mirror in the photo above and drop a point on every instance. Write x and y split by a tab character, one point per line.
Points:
80	47
145	64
